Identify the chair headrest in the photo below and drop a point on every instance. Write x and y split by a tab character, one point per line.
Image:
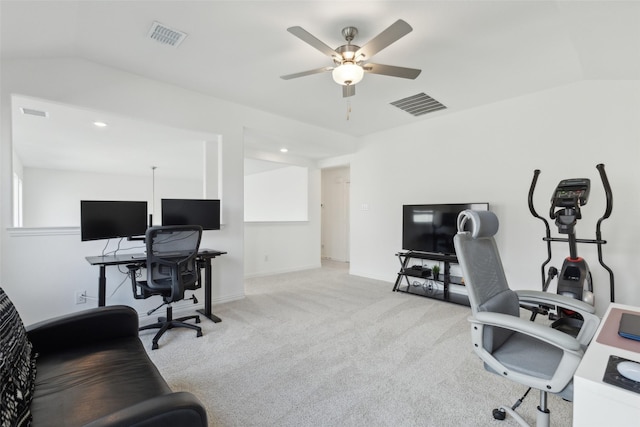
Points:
478	223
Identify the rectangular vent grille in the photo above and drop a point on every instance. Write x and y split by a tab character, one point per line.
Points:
165	35
32	112
419	104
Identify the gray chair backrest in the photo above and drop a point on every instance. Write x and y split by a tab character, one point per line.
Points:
171	258
482	270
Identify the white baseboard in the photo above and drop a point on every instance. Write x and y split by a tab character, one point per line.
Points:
281	271
368	275
328	258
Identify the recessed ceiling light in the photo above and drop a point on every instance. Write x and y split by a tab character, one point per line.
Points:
100	124
283	150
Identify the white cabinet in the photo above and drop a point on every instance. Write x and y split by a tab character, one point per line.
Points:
595	402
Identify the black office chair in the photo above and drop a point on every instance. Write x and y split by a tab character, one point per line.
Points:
171	268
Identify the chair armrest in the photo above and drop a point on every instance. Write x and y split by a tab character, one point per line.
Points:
549	298
174	409
591	320
84	327
536	330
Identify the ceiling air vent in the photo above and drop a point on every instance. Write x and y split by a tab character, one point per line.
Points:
32	112
419	104
165	35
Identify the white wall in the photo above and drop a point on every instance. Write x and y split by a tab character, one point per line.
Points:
52	197
41	272
484	154
278	247
278	194
488	154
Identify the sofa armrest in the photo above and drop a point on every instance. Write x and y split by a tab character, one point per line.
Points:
174	409
83	328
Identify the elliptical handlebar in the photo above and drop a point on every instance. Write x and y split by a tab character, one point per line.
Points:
607	191
534	181
532	209
607	213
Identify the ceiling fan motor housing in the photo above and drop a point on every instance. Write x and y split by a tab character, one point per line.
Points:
347	53
349	33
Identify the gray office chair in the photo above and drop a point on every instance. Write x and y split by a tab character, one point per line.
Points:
523	351
171	268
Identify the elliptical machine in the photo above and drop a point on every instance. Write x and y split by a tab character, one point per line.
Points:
574	279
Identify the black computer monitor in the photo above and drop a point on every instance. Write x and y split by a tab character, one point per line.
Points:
202	212
106	219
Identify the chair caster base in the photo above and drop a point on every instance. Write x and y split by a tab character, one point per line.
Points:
199	334
154	346
499	414
504	410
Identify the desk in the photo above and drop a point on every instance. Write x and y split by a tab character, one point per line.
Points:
204	258
596	403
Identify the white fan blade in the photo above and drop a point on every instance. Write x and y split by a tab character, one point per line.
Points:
306	73
310	39
395	31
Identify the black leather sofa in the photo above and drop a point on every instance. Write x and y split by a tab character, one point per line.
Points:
91	369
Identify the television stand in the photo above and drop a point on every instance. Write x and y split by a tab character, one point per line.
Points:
417	279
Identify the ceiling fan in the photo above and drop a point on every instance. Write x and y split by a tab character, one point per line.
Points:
350	60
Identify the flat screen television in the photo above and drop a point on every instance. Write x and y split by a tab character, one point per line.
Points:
430	228
107	219
202	212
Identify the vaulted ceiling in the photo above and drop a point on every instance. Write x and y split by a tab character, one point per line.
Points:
471	53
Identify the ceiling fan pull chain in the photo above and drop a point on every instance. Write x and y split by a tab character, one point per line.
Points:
348	109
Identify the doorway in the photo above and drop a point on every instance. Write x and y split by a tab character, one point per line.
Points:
335	235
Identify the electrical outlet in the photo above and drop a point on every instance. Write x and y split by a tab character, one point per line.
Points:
81	297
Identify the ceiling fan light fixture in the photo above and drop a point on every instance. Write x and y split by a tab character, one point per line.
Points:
347	74
349	55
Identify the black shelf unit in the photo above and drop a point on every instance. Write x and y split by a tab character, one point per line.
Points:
419	281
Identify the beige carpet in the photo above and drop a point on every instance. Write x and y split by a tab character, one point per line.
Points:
323	348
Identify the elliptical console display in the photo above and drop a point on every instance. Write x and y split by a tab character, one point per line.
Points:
575	278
